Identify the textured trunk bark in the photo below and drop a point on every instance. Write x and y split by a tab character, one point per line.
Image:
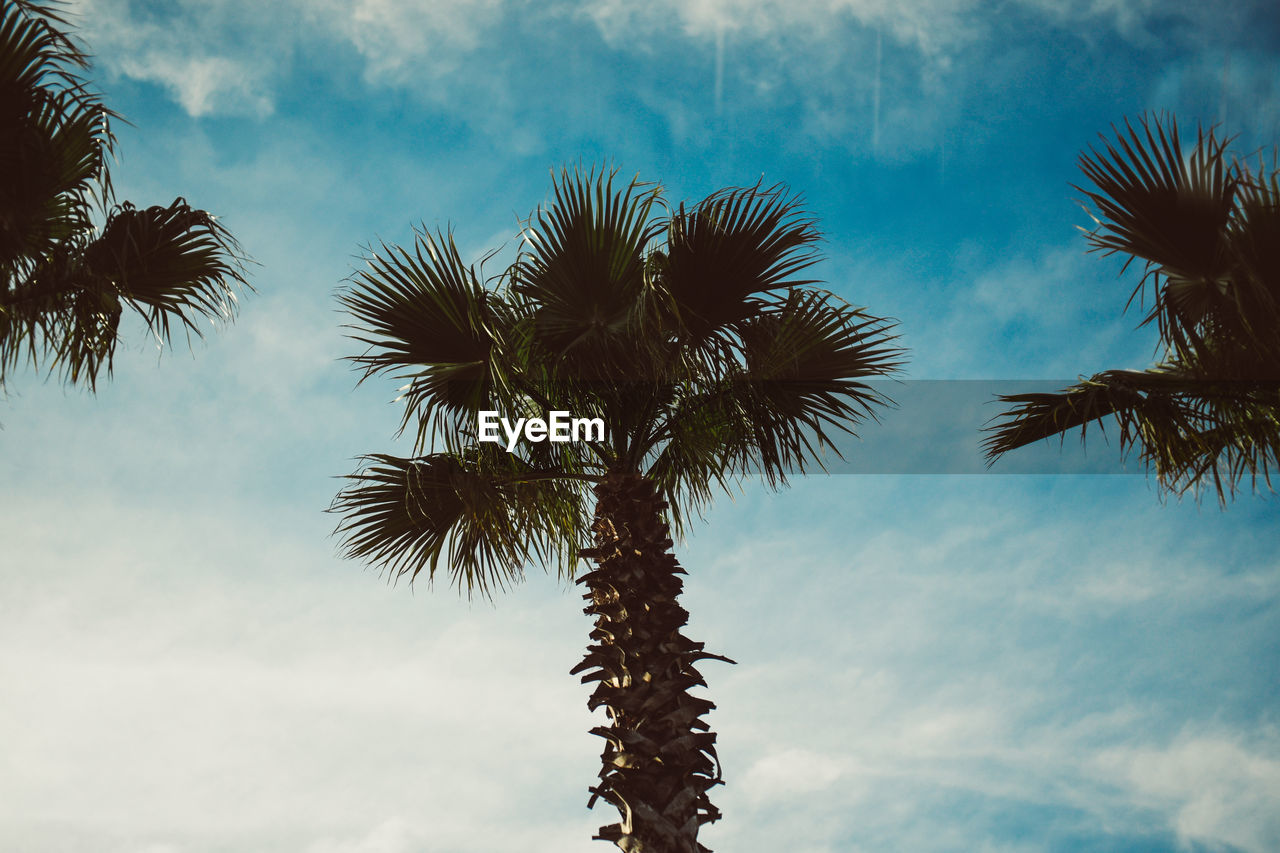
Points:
659	758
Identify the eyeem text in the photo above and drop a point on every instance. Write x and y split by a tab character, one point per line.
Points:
559	427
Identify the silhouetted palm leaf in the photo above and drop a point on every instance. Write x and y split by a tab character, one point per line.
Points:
732	246
1207	230
583	270
775	411
427	318
486	515
63	280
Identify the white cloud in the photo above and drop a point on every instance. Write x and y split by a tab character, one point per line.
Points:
889	77
401	40
978	656
211	683
1046	290
788	774
929	25
1036	305
203	85
935	29
394	835
228	58
212	59
913	659
1217	787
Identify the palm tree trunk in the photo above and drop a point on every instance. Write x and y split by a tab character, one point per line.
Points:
659	758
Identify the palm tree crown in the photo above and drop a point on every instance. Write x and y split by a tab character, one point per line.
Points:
63	280
687	333
1206	227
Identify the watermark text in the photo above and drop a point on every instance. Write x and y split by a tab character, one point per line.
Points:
558	427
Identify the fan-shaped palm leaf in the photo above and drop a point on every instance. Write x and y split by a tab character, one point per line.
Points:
1190	429
583	267
733	245
63	281
1207	230
426	317
485	513
775	412
172	265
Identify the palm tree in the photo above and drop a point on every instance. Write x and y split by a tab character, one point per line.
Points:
685	331
64	282
1206	227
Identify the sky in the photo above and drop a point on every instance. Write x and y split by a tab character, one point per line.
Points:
926	661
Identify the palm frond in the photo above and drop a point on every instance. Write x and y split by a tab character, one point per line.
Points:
798	387
735	244
1188	427
1255	244
484	516
1039	416
1206	228
425	316
583	266
1224	451
64	282
805	359
52	158
593	319
54	134
65	317
1169	211
174	264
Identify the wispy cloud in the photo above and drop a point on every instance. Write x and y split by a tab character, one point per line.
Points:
920	687
209	85
195	692
403	41
1217	788
394	835
211	59
232	58
1035	304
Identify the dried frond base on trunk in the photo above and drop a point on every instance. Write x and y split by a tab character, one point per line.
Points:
659	758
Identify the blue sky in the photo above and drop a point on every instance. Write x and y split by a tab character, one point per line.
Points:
926	662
